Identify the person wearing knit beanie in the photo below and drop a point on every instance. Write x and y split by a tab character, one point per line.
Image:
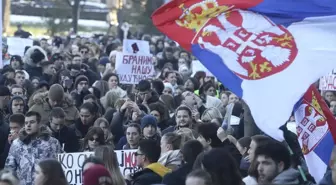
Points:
96	175
56	94
103	64
191	84
169	89
79	79
148	126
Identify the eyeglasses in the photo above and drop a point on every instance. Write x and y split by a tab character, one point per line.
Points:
137	154
94	139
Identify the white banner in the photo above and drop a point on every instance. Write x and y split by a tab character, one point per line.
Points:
16	46
328	83
132	68
136	46
72	164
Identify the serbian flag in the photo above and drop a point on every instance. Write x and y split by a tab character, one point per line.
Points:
315	130
267	52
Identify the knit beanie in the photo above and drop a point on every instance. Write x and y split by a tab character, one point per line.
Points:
195	82
148	120
56	93
97	174
43	84
169	85
80	78
104	60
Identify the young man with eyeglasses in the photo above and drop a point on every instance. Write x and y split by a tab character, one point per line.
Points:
147	157
64	134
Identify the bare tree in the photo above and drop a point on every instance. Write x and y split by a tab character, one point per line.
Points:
6	4
75	11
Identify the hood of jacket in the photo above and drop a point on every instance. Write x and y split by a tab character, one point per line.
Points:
27	57
11	102
170	157
159	169
289	176
42	98
44	134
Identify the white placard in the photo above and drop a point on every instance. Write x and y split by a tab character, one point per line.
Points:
131	68
328	83
72	164
198	66
16	46
136	46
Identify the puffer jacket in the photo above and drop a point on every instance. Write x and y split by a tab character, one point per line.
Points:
42	106
25	153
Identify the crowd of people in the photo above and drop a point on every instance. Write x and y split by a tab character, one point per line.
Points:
186	128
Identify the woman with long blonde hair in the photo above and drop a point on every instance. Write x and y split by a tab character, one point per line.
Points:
107	154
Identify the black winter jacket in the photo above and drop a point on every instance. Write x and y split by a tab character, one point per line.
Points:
68	139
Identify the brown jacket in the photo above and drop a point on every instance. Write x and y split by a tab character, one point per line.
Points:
42	106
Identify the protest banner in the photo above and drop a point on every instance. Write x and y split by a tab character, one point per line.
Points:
328	83
131	68
16	46
136	46
72	164
198	66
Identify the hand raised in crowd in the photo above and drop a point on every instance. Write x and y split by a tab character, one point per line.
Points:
196	115
145	100
125	105
221	134
12	136
135	107
199	101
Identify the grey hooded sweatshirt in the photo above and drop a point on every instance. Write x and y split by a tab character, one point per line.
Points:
289	176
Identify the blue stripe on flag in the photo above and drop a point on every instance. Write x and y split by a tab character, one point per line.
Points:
324	148
286	12
217	67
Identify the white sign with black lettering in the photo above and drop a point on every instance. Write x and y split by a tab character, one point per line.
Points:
328	83
72	164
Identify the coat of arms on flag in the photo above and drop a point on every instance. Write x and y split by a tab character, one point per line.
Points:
251	44
315	130
312	123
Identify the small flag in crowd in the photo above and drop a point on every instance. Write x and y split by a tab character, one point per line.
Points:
315	130
268	52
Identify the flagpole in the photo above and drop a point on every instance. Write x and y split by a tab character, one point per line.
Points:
303	175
